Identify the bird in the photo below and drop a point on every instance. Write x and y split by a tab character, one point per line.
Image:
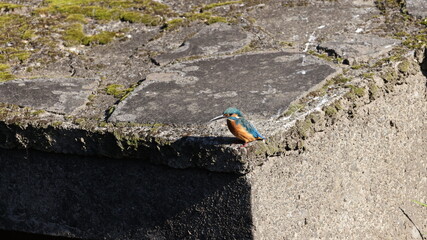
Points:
239	126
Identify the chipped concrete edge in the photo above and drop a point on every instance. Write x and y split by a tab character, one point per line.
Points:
26	128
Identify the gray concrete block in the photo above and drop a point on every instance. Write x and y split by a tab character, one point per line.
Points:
219	38
417	8
358	48
60	95
260	84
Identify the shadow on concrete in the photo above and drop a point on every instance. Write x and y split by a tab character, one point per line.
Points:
14	235
102	198
423	65
211	140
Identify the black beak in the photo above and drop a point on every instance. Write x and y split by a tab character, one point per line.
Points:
217	118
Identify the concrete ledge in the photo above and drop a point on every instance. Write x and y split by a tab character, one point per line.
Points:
123	150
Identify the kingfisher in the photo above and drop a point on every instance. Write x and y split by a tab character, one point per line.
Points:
239	126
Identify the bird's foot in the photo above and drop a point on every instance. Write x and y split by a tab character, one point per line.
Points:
244	145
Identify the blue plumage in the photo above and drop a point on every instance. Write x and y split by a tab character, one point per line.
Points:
239	126
248	126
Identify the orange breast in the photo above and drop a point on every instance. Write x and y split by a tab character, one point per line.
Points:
239	131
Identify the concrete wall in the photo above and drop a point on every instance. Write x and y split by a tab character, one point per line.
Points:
356	179
101	198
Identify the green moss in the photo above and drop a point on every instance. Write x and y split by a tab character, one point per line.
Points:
28	34
38	112
404	66
357	66
368	75
102	124
417	40
21	56
79	121
324	56
101	38
135	17
355	92
373	90
9	6
330	111
198	16
110	110
56	123
293	108
215	19
219	4
263	148
286	44
304	128
174	23
119	91
13	55
112	10
74	35
128	91
91	97
5	74
116	90
340	79
77	18
389	76
250	47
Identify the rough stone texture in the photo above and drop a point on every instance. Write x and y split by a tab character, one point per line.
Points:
354	179
359	175
358	48
99	198
344	161
417	7
57	95
194	92
305	24
214	39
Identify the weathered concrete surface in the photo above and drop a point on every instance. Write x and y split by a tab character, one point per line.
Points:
358	48
417	7
355	179
61	95
194	92
212	40
179	177
306	23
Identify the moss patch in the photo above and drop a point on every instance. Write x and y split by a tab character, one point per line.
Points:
355	92
293	108
74	35
5	74
9	6
115	90
119	91
219	4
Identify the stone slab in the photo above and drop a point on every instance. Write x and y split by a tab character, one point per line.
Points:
260	84
307	23
358	47
60	95
219	38
417	7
